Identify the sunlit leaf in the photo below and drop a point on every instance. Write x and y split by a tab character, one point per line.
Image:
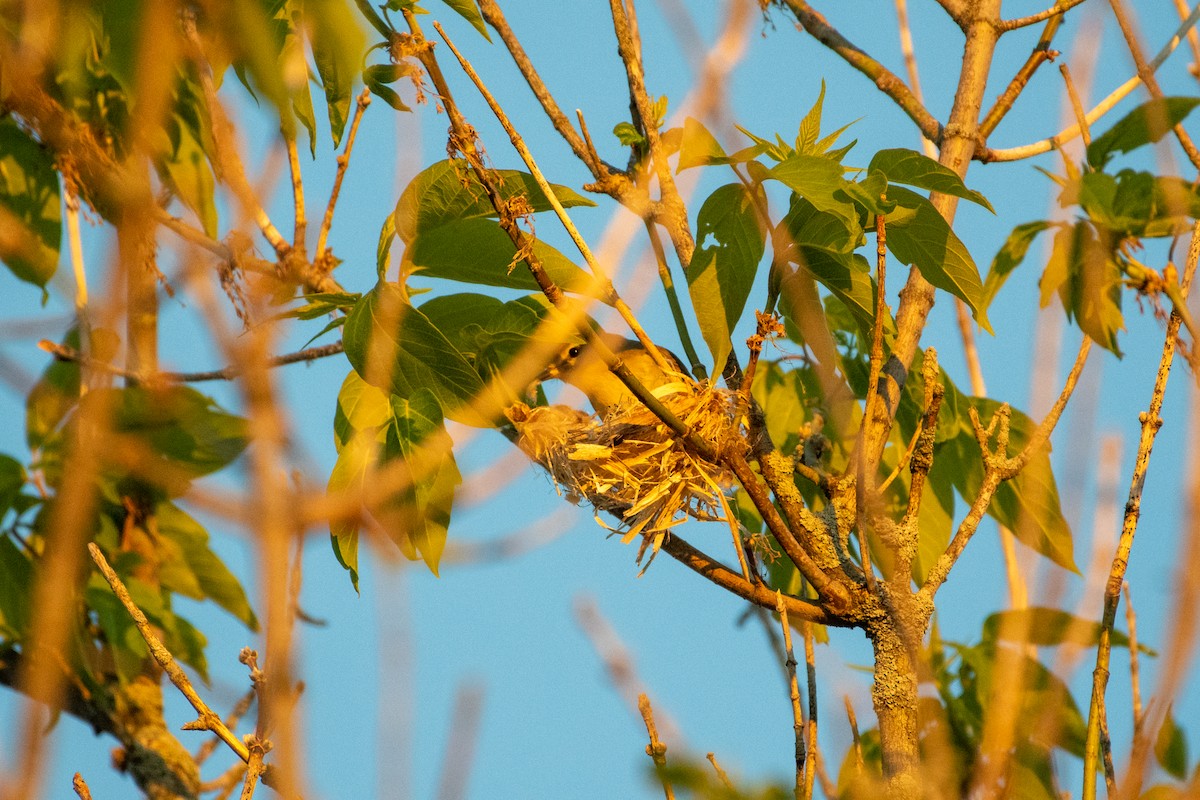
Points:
911	168
337	44
1147	123
470	12
1048	627
30	206
730	238
926	241
1088	282
211	576
1171	748
1011	254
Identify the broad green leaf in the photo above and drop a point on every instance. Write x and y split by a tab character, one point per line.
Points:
1088	281
1048	627
31	202
337	44
1011	254
321	304
208	572
189	644
818	179
628	135
847	278
383	251
16	589
805	225
723	269
185	429
360	407
470	12
418	521
1147	123
189	173
449	192
12	478
395	347
698	147
911	168
926	241
869	193
1135	204
781	395
356	456
478	251
1171	748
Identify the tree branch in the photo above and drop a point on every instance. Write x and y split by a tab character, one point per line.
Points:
64	353
1057	10
888	82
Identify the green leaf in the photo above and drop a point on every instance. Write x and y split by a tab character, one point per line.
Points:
628	135
1171	749
181	426
911	168
1088	281
1147	123
12	479
818	179
387	235
449	192
927	241
201	574
189	173
805	225
395	347
418	522
698	147
470	12
29	193
1048	627
1011	254
337	44
810	126
722	271
869	193
1135	204
847	278
478	251
16	589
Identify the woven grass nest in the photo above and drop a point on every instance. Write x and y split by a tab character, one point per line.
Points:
630	464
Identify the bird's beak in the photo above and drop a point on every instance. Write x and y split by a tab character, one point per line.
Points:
549	373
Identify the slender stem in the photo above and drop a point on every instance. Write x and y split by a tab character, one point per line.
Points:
1101	108
910	65
1146	73
1151	423
209	720
64	353
1056	10
343	162
668	283
301	229
887	81
789	660
814	754
1076	105
657	750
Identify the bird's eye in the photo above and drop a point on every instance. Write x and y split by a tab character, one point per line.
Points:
574	351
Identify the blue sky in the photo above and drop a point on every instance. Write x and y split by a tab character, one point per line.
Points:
383	673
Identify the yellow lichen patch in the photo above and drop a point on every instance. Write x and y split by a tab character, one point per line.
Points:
632	465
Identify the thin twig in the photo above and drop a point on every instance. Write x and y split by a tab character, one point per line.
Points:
1146	73
1059	8
343	162
208	720
1151	422
910	65
460	742
65	353
721	776
887	81
235	716
1076	105
1101	108
855	738
657	750
810	663
301	229
606	289
81	788
1001	468
794	692
1135	683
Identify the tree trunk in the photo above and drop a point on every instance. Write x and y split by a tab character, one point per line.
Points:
894	694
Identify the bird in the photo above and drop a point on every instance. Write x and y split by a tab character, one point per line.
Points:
581	366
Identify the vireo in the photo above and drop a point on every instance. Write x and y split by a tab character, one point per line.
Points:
583	368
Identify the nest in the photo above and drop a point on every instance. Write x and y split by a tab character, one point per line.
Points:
632	465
